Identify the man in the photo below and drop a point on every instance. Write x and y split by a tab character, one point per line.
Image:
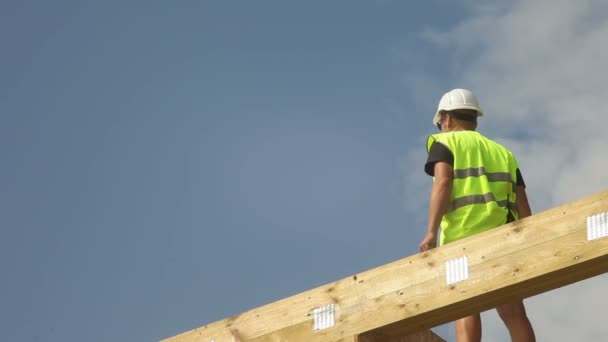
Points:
477	186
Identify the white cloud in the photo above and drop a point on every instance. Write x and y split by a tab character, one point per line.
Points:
538	69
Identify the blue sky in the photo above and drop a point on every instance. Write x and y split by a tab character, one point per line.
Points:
169	164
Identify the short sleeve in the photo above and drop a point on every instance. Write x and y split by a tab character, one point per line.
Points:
438	153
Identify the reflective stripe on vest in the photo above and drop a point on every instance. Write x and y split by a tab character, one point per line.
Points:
476	199
483	191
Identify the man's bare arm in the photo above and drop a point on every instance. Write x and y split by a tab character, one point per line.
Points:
439	202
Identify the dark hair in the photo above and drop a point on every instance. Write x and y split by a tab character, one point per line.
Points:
469	115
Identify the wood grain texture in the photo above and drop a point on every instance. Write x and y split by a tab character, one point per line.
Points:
517	260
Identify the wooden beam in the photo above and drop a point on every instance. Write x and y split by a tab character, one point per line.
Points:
571	262
524	258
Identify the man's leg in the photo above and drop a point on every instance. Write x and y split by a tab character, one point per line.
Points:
468	329
516	320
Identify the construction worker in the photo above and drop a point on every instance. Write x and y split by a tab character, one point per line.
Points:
477	186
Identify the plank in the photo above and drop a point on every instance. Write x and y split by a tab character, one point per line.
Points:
420	275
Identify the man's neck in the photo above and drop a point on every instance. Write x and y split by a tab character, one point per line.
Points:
457	129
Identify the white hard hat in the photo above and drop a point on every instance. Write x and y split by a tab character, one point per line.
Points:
457	99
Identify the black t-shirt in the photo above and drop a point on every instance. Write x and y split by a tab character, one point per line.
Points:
439	152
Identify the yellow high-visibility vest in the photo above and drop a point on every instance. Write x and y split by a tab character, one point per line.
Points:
483	192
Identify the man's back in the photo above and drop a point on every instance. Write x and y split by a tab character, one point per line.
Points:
485	174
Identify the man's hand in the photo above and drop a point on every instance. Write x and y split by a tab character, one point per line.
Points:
429	242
